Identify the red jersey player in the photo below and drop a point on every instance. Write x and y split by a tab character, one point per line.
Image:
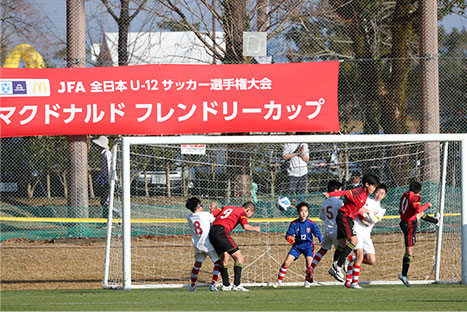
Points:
411	211
353	205
219	235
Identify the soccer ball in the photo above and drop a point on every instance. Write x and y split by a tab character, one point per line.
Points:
283	203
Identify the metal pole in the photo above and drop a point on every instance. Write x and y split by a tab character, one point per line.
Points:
113	171
126	218
430	84
77	144
442	196
464	208
366	138
262	19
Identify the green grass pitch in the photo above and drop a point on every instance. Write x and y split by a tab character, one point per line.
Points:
320	298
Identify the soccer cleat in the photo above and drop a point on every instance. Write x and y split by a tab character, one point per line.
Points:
277	285
347	284
213	288
306	284
404	280
309	275
336	272
355	285
239	288
226	288
192	288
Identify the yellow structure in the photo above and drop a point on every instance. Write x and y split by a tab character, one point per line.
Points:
24	51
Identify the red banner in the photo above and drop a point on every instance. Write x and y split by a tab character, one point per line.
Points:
169	99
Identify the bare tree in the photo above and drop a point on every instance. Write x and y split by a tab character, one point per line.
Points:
123	21
22	22
232	17
383	39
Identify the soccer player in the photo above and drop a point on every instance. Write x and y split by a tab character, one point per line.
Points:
411	211
200	224
327	213
353	205
219	235
365	250
300	235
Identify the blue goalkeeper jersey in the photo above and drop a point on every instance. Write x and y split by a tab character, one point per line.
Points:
303	232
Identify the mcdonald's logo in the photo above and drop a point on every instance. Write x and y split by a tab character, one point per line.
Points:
40	87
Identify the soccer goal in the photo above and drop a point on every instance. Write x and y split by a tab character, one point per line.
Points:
150	246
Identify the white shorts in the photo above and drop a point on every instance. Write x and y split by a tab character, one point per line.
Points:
365	243
329	239
200	256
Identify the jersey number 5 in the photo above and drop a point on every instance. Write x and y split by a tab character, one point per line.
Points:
329	215
198	229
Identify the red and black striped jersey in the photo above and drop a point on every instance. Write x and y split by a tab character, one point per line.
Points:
353	200
230	216
410	206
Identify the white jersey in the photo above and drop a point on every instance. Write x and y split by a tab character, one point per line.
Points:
363	231
200	224
328	213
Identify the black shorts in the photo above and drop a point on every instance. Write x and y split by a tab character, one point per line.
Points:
345	226
409	228
221	240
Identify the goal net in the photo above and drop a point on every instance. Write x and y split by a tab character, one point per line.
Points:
150	246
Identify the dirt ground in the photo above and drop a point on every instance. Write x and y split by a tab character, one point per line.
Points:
64	264
79	263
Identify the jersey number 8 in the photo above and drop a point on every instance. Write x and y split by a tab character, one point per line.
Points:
198	229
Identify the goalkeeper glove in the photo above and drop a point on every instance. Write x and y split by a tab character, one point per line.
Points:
291	239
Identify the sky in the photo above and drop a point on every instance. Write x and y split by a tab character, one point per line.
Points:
454	21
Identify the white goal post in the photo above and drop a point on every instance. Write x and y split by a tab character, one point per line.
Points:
123	181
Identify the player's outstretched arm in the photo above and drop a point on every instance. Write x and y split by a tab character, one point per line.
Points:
248	227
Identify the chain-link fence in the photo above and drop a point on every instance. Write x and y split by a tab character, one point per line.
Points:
383	80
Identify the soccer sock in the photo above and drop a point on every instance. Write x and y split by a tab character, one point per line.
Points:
356	273
225	276
237	273
429	219
317	258
406	264
282	272
338	253
215	272
194	273
349	268
345	253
